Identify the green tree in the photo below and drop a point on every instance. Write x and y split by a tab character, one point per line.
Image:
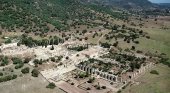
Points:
4	61
16	60
25	70
8	41
27	60
1	74
52	59
35	73
154	72
51	86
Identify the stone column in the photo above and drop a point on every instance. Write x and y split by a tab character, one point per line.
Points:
107	77
81	67
116	78
84	68
111	78
100	75
92	71
120	79
89	70
95	72
104	75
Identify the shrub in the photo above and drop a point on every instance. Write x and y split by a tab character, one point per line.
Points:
103	87
67	57
77	55
18	44
27	60
19	66
88	88
52	59
105	45
14	76
8	78
98	87
154	72
91	80
16	60
123	87
51	86
72	83
148	37
133	48
2	64
86	38
36	61
111	83
139	51
4	61
119	91
1	74
79	48
8	41
165	61
84	31
83	74
116	44
35	73
25	70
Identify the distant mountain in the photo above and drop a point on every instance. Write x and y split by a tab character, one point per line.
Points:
164	5
125	4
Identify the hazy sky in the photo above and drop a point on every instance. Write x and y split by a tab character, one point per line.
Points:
160	1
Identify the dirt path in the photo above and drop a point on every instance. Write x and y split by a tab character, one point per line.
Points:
100	39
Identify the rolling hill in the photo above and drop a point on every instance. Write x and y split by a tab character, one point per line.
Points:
35	15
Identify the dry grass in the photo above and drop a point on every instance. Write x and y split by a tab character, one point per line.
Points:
27	84
151	83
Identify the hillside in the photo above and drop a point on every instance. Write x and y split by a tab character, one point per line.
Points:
42	16
37	13
125	4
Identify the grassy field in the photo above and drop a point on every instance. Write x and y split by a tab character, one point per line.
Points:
27	84
160	41
160	38
150	83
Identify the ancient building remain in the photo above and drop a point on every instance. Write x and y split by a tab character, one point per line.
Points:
96	72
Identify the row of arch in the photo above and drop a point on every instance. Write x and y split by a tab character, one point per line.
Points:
94	71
